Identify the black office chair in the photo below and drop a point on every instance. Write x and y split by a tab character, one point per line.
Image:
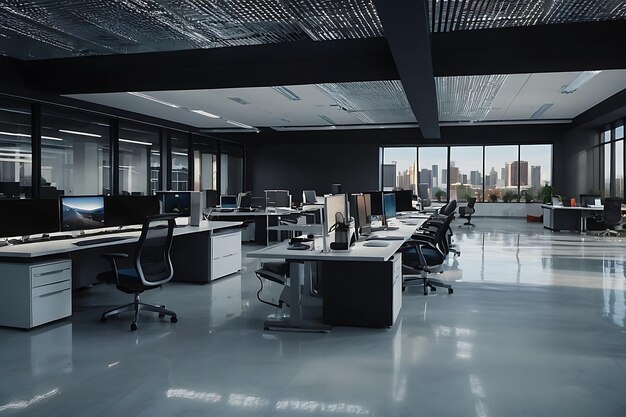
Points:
276	272
467	211
152	267
425	254
611	216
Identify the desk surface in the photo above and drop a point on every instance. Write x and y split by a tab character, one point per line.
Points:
548	206
53	247
358	252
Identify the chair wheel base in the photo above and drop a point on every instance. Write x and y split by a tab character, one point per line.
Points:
174	319
133	327
450	291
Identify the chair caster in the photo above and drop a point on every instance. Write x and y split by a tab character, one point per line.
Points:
133	327
450	291
174	319
103	319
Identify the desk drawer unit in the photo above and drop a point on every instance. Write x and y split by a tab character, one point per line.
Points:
35	294
365	294
225	254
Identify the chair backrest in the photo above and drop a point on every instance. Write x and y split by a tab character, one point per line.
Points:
612	214
471	202
440	235
152	257
449	208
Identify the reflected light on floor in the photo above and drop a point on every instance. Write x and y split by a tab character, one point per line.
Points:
27	403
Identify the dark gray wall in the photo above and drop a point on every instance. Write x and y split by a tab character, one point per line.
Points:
576	163
296	167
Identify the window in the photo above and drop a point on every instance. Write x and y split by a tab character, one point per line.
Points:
400	169
75	154
180	162
465	173
140	159
539	173
16	159
433	167
504	173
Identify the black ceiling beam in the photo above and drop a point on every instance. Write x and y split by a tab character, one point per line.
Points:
288	63
405	23
518	50
547	48
608	111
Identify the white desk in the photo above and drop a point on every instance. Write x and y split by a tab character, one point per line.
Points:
36	278
303	259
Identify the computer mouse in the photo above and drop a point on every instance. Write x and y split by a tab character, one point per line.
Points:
376	243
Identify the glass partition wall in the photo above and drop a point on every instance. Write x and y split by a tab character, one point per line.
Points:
16	158
139	159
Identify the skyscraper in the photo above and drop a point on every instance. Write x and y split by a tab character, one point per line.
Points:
435	176
493	177
475	178
535	176
518	173
454	175
426	177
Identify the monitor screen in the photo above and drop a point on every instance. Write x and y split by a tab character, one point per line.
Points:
333	205
335	188
278	198
244	200
228	201
258	202
389	204
123	210
309	197
376	200
404	200
368	207
28	217
176	202
81	212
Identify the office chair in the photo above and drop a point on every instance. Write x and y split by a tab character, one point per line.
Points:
425	254
277	272
152	267
467	211
611	216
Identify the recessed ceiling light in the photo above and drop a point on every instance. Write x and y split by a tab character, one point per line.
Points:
578	82
238	100
137	142
21	135
286	92
326	119
156	100
74	132
541	110
51	138
239	124
206	114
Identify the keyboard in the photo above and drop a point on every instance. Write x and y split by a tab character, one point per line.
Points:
385	238
107	239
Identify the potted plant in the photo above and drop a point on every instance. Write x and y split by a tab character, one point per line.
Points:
508	196
439	195
546	193
493	197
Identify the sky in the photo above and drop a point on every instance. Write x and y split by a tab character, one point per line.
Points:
469	158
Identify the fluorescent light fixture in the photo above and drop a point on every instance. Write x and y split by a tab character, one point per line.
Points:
206	113
239	124
74	132
541	110
21	135
286	92
579	81
326	119
156	100
51	138
238	100
137	142
179	153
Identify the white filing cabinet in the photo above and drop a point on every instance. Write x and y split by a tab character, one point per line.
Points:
32	294
225	253
397	286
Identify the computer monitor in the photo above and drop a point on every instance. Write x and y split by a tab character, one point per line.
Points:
368	208
177	202
277	198
309	197
404	200
389	207
376	200
211	198
335	189
244	200
334	204
228	201
81	212
258	202
28	217
587	200
124	210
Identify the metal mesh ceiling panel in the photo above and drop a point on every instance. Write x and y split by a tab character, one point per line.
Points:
38	29
449	15
372	101
467	98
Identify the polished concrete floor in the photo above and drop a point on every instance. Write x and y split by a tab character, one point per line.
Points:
535	327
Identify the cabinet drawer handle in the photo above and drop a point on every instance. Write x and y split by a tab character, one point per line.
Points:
43	274
53	293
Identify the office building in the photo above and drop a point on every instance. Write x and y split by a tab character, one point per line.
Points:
426	177
127	98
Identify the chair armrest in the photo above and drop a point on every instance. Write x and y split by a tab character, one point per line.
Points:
422	238
112	260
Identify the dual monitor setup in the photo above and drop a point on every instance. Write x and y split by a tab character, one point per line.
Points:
76	213
246	202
